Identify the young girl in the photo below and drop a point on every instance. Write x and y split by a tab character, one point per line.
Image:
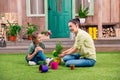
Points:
83	53
36	50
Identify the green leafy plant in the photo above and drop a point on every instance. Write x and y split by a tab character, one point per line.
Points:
46	32
14	29
83	12
31	28
58	49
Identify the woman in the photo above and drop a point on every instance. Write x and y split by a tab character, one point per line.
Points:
83	53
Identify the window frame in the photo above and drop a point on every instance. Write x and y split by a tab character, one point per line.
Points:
28	10
91	9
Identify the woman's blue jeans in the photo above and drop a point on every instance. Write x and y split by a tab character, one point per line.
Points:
77	61
38	57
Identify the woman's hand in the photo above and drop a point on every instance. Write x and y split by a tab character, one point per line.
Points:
68	52
61	55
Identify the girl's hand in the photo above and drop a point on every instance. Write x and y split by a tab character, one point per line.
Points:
38	49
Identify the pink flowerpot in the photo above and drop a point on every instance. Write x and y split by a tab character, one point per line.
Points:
54	65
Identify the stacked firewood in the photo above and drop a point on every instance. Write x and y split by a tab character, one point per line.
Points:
108	32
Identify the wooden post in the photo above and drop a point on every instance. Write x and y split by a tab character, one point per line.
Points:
19	8
119	13
99	18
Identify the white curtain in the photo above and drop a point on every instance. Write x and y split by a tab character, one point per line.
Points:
41	6
37	6
33	6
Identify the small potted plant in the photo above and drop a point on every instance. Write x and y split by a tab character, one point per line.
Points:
83	13
30	29
57	51
46	33
14	29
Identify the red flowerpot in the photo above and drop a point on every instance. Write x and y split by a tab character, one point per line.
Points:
12	38
29	37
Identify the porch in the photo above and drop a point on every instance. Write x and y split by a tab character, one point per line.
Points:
102	45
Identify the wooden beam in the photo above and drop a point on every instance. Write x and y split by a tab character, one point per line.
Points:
99	18
119	13
19	8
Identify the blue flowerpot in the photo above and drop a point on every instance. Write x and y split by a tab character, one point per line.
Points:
43	68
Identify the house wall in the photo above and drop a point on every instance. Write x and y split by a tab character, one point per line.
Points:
11	6
8	6
110	11
39	21
105	11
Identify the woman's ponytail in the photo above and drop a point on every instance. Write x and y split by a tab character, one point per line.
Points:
76	21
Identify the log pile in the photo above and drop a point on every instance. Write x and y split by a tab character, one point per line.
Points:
108	32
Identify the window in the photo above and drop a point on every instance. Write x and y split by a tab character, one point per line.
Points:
35	7
85	3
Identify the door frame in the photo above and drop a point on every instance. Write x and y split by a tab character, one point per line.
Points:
46	12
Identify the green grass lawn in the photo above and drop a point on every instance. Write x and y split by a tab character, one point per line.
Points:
14	67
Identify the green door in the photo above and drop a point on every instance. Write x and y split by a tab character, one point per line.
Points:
59	13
